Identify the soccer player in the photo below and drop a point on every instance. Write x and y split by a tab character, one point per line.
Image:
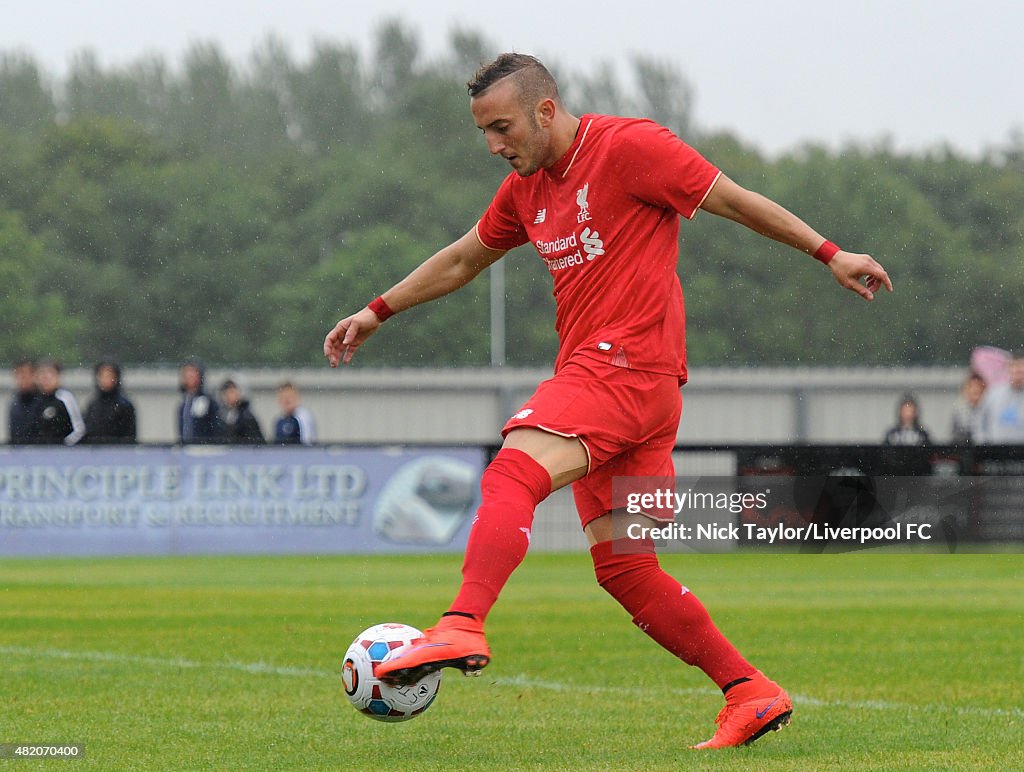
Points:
600	199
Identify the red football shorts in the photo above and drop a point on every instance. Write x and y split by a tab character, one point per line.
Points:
626	419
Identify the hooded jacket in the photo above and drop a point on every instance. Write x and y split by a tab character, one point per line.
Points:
241	426
110	417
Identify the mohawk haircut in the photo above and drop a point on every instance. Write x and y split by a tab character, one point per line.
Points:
533	79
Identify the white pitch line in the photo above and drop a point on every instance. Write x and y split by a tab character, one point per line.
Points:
517	681
174	662
799	700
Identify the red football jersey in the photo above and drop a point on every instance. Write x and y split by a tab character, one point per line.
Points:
605	220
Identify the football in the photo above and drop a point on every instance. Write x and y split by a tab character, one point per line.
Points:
373	698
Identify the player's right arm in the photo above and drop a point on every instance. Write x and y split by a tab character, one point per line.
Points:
452	267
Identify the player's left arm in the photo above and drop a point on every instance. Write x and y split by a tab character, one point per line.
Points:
860	273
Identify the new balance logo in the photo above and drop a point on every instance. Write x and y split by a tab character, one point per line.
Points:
542	215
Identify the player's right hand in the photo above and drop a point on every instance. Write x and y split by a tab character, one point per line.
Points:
348	335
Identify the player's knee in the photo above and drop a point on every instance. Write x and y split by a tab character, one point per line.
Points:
514	474
565	458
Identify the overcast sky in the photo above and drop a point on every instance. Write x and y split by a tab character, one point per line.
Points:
919	72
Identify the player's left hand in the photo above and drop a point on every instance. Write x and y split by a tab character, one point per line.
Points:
348	335
860	273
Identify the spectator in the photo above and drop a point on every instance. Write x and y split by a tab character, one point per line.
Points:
198	416
908	431
60	420
240	425
1001	414
110	417
23	414
967	410
295	426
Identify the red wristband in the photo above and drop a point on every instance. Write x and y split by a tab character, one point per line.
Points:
382	309
826	252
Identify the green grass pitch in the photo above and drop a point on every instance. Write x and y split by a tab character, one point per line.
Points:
893	661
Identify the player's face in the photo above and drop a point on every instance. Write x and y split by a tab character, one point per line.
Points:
510	130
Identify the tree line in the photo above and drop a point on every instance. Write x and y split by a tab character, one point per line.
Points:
235	211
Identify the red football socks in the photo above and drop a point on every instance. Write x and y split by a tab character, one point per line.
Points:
665	610
512	486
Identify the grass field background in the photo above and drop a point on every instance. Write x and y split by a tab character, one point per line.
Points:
893	661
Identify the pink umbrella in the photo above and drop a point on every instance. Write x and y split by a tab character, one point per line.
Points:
990	363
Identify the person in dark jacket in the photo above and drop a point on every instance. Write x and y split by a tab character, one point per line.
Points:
23	413
60	420
240	424
110	417
198	416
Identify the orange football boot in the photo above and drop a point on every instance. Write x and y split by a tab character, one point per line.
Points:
455	641
752	709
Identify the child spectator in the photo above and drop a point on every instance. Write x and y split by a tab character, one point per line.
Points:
295	426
